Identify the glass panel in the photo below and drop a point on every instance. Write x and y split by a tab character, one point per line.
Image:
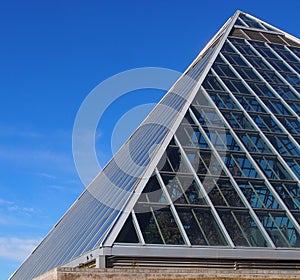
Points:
289	193
250	104
257	62
227	49
204	162
277	107
250	22
291	124
295	107
171	162
237	120
207	116
236	86
211	83
222	140
296	51
243	48
148	225
279	228
270	76
247	73
128	233
291	78
189	135
158	225
183	189
201	230
235	59
283	145
294	164
258	195
284	53
272	168
223	70
223	100
254	143
153	192
285	92
241	228
261	89
265	123
240	166
222	193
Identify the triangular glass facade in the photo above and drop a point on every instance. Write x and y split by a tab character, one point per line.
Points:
227	179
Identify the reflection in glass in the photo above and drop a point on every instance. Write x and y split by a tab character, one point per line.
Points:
200	226
241	228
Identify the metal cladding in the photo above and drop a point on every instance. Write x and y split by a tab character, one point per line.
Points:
225	170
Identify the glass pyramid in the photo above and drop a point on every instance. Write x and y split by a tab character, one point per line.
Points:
223	181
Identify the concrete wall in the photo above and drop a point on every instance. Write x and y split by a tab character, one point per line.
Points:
165	274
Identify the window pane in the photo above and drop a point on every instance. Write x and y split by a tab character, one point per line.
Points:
241	228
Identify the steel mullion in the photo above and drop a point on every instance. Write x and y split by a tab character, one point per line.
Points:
157	225
269	185
253	122
213	209
292	53
137	227
173	209
235	185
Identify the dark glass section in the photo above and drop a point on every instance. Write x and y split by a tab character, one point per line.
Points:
237	120
285	92
201	227
240	166
211	83
272	168
251	22
296	51
204	162
128	233
222	193
250	104
236	86
283	145
223	100
261	89
258	195
222	140
158	225
183	189
189	135
266	123
153	192
277	107
279	228
242	228
254	142
291	124
223	70
234	59
295	106
207	117
294	164
289	193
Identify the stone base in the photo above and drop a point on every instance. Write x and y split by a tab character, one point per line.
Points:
63	273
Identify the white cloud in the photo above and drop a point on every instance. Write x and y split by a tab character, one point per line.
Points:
16	249
5	202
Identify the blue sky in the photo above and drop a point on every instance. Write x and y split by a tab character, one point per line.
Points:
52	54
